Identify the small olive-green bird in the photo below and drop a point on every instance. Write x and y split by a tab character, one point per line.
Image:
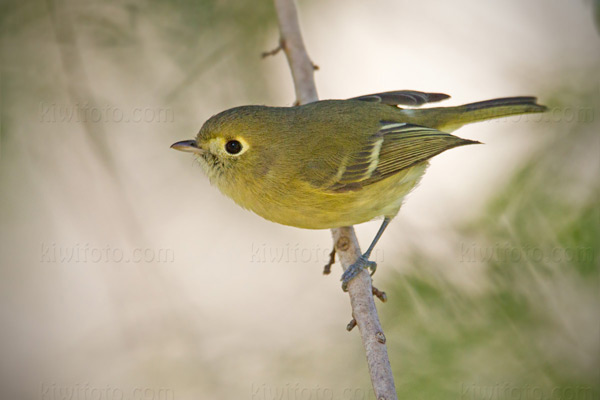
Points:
335	163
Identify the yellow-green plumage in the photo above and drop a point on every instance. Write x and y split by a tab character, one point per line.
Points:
336	162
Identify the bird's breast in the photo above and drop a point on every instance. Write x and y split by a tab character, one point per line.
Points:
298	203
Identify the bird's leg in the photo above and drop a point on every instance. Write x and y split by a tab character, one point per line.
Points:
327	268
363	261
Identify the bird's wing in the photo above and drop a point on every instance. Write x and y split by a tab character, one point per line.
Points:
403	97
395	147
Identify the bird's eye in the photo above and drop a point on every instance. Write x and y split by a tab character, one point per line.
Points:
233	147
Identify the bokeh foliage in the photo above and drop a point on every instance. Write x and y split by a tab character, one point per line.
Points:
530	329
523	325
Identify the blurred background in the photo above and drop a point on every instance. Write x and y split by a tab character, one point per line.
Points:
125	275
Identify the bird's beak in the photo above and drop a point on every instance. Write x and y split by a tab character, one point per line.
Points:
187	145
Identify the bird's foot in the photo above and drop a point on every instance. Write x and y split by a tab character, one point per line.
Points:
354	269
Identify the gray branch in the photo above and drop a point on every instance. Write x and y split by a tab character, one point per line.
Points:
360	289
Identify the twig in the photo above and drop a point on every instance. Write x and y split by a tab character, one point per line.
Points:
379	294
346	244
293	45
327	267
273	52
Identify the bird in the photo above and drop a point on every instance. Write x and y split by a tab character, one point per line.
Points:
334	163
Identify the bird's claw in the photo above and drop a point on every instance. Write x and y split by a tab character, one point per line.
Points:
352	271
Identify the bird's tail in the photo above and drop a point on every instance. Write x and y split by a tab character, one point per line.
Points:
448	119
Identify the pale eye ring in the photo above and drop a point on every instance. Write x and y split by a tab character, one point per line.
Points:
233	146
